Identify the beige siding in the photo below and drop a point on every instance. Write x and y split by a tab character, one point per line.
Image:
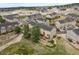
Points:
53	32
3	29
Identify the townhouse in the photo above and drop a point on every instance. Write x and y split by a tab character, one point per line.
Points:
73	35
8	26
65	24
51	15
35	16
47	31
11	17
72	15
39	18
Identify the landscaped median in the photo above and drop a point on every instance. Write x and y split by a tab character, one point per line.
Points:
51	44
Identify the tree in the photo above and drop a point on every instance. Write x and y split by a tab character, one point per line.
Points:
50	7
17	29
1	20
35	34
26	31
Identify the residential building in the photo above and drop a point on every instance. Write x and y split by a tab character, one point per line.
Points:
39	18
11	17
73	35
73	15
8	26
65	24
47	31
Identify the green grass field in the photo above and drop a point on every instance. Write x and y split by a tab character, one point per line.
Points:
26	47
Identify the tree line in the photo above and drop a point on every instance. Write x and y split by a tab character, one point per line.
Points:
33	33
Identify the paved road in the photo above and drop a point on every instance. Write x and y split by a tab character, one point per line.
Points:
15	40
76	46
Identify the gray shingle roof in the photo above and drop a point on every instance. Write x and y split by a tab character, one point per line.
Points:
76	31
52	14
41	25
6	24
66	20
36	15
73	15
11	17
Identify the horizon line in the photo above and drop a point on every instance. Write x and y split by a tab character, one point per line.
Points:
9	5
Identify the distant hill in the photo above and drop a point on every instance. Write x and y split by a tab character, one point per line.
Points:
68	5
32	8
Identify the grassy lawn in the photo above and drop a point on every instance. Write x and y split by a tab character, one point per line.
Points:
26	47
18	48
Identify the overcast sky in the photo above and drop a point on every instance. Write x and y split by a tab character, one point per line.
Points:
3	5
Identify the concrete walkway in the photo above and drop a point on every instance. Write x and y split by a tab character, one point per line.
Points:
76	46
15	40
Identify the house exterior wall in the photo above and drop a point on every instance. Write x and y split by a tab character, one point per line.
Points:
7	28
57	24
3	29
49	34
46	32
52	33
41	21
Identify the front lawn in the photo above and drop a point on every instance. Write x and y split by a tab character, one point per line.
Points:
20	48
26	47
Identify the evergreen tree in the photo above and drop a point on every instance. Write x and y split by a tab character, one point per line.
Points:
26	33
1	20
35	34
17	29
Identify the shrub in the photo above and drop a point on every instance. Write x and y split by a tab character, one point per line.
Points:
17	29
70	40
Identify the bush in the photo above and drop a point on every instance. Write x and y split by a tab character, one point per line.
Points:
54	36
1	20
26	31
52	41
58	38
70	40
51	45
17	29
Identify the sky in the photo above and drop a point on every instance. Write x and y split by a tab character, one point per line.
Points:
5	5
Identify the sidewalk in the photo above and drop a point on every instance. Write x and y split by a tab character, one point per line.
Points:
15	40
76	46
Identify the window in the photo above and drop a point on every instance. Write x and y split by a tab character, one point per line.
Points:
70	40
43	33
3	29
77	42
9	28
48	36
63	28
